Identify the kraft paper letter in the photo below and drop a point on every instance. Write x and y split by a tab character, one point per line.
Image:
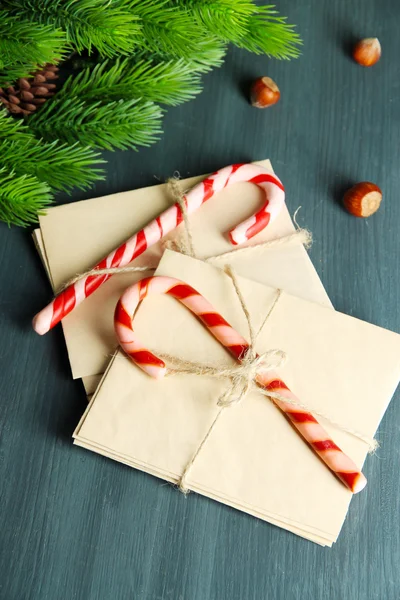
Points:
74	237
253	460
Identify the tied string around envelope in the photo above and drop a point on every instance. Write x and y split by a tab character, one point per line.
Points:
241	377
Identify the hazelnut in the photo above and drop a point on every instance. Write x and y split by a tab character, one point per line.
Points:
367	52
264	92
363	199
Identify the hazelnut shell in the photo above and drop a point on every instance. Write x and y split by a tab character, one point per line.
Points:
264	92
367	52
363	199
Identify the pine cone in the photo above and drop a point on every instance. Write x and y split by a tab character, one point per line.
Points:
24	97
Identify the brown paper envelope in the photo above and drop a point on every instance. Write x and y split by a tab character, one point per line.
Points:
323	541
39	244
76	236
253	458
313	533
91	382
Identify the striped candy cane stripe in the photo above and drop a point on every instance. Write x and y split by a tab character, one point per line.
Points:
305	423
319	440
74	294
270	184
188	296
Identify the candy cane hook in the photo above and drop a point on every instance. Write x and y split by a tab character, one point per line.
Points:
74	294
305	423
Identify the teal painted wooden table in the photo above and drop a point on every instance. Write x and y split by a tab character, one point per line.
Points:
75	526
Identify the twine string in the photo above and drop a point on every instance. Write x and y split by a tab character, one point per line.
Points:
185	246
109	271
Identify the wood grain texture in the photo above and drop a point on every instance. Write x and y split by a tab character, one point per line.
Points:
75	526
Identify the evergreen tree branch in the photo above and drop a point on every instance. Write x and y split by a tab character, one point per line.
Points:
258	29
268	33
171	82
60	165
12	129
25	45
226	19
172	33
22	198
209	55
88	24
120	124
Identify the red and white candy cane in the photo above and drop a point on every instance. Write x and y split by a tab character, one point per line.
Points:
305	423
74	294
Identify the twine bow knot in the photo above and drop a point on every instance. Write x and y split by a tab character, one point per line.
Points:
244	376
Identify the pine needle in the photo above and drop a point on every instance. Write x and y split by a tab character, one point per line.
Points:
226	19
88	24
22	198
120	124
268	33
259	29
31	168
23	47
173	33
12	128
209	55
60	165
171	82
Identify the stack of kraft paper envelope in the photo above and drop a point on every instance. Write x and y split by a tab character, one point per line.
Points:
254	460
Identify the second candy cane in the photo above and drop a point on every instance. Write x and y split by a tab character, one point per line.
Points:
76	293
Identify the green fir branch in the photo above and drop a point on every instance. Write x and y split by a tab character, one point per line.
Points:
209	55
268	33
173	33
22	198
25	45
171	82
88	24
226	19
12	129
61	166
259	29
120	124
30	168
